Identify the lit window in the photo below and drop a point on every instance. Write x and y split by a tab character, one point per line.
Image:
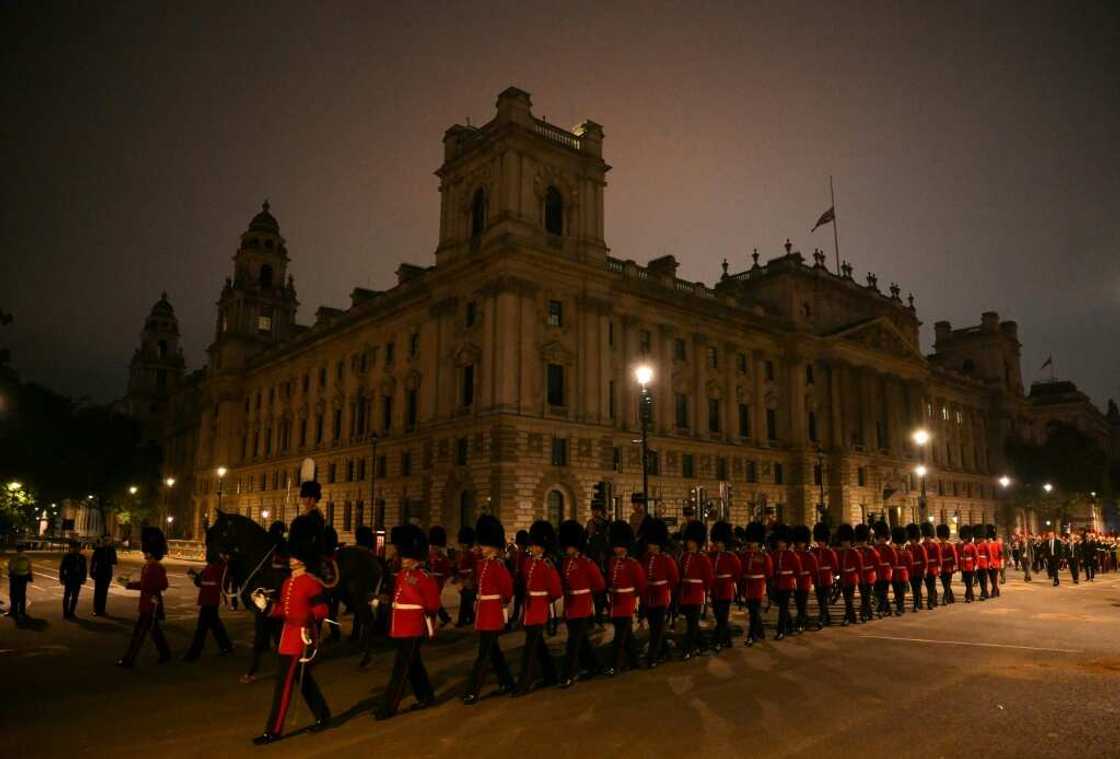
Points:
264	323
555	313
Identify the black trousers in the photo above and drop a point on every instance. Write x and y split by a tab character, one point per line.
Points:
655	616
1090	569
536	659
208	621
993	581
1052	570
691	640
70	598
100	594
147	623
899	587
624	646
916	592
968	581
849	592
755	630
824	613
17	595
982	580
266	635
288	678
578	650
1074	565
931	591
785	621
408	667
600	601
947	595
489	653
865	612
466	608
722	612
882	592
801	601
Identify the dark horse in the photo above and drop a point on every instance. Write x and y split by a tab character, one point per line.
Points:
248	546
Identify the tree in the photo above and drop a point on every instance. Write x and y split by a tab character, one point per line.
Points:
1070	461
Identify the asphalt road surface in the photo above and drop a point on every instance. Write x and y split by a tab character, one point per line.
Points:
1035	673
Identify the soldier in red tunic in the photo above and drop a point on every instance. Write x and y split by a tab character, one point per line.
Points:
900	571
626	582
302	608
411	621
787	567
517	556
494	585
849	563
696	579
828	565
152	583
209	582
542	590
885	571
805	577
464	576
439	566
948	553
995	560
581	578
662	579
757	571
870	574
919	563
726	570
983	556
967	558
933	563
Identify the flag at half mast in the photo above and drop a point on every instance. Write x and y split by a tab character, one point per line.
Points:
826	218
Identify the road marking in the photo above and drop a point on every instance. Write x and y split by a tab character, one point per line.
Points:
973	643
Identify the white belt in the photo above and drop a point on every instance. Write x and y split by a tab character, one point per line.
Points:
756	577
490	598
437	574
689	579
659	582
623	590
538	592
465	571
723	577
850	569
407	607
786	572
824	568
806	572
580	592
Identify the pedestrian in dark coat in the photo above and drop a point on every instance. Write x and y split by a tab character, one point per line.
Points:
101	565
72	575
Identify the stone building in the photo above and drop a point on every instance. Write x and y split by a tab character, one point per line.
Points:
155	371
501	378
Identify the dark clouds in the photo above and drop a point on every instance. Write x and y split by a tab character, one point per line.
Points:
974	149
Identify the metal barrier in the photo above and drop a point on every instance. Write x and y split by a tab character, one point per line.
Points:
187	549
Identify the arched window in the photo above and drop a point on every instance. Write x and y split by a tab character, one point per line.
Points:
478	214
162	348
553	212
266	276
555	507
467	515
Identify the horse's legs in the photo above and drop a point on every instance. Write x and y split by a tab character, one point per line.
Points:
336	633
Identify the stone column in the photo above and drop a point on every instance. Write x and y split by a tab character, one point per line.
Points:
836	407
759	407
700	379
796	385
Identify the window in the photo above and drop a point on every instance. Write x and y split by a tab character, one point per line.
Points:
414	345
616	458
472	314
809	374
713	415
555	313
945	413
337	430
555	507
678	349
390	353
306	383
162	348
610	334
330	513
410	409
818	476
813	426
553	212
478	214
161	379
653	462
362	468
318	429
264	322
687	466
386	413
302	432
768	369
340	370
322	376
752	472
332	472
347	517
644	341
406	464
555	385
466	509
610	399
880	435
771	424
741	363
360	417
363	362
713	357
359	514
681	405
350	470
861	476
744	420
779	474
467	390
461	451
721	468
382	466
559	451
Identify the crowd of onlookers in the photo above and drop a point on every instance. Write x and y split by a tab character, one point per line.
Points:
1084	554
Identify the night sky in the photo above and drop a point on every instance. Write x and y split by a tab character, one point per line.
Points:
974	148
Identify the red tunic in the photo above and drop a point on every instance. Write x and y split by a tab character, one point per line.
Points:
542	587
967	555
995	551
152	583
662	578
828	564
300	605
758	567
581	578
850	562
495	589
808	574
919	560
903	561
887	561
933	557
726	570
415	599
870	564
439	566
696	578
464	572
786	569
210	584
982	555
626	586
949	557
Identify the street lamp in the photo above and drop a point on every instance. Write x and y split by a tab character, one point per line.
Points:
1048	487
264	514
921	439
170	483
221	472
644	375
14	486
373	481
1005	482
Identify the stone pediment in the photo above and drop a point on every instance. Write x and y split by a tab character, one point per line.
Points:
467	354
554	352
880	335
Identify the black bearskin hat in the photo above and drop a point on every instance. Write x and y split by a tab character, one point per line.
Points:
277	529
305	539
722	533
522	538
845	533
490	532
696	532
943	531
310	489
927	529
542	534
781	532
801	533
620	534
898	534
966	532
437	536
991	532
411	542
572	534
821	532
740	533
863	532
466	535
756	532
913	532
979	531
153	543
655	531
882	530
363	536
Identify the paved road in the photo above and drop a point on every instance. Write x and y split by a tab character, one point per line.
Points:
1035	673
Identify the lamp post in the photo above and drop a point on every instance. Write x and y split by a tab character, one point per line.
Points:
169	483
221	472
821	509
644	375
921	439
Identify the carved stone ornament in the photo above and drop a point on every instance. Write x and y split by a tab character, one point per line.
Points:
554	352
467	354
412	381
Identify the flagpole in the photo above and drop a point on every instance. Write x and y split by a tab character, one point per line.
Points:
835	233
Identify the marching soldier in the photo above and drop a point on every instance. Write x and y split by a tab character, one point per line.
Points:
209	584
439	566
415	604
805	577
967	562
302	608
933	563
662	579
995	560
828	564
900	572
983	558
949	563
787	567
850	565
870	575
626	582
581	579
758	568
152	583
885	572
726	570
542	590
518	557
495	590
919	563
696	579
464	575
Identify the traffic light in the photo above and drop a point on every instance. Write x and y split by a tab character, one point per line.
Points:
599	496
